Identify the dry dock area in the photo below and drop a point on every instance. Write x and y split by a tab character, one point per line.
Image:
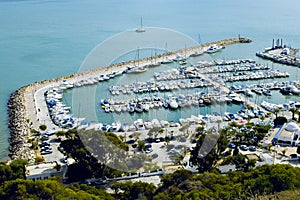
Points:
281	54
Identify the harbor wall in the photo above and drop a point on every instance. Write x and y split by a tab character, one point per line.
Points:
18	109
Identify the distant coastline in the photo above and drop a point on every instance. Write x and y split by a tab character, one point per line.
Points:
22	111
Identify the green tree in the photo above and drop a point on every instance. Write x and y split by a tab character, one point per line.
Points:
276	112
43	127
293	110
205	153
60	133
155	131
141	145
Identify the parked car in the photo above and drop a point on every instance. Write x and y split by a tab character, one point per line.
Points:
231	145
46	148
100	182
252	148
42	144
130	141
148	150
156	140
155	155
48	151
45	137
244	147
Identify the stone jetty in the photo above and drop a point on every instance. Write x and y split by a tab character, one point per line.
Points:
19	129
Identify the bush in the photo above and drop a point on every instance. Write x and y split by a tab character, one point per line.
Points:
43	127
280	121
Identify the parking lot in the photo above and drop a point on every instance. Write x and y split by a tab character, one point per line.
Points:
55	154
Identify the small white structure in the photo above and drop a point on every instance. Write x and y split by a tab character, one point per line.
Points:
292	127
289	135
224	169
43	171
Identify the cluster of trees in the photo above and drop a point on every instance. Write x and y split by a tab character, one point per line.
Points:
87	164
265	180
49	189
249	134
208	151
12	171
98	154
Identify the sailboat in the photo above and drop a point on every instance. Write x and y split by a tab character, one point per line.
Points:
155	63
166	60
140	29
137	68
196	53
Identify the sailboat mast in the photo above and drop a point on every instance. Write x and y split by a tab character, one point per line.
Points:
138	56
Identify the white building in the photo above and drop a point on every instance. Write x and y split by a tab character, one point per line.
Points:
289	135
43	171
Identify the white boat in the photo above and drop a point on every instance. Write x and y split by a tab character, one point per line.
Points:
229	115
182	62
294	89
154	64
107	109
214	48
196	53
148	125
259	92
237	99
146	107
248	92
267	92
249	113
137	70
115	127
166	61
173	104
139	124
140	29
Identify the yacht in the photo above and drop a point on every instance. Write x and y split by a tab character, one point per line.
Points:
267	92
166	61
214	48
173	104
137	70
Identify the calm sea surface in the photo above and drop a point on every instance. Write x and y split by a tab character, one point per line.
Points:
43	39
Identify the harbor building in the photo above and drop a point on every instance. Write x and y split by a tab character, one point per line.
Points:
289	135
44	171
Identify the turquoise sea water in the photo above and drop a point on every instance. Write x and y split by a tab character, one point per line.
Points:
43	39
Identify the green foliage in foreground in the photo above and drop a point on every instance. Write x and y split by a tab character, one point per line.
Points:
264	182
267	179
15	170
284	195
48	189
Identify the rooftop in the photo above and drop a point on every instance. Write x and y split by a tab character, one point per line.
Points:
292	126
41	168
285	133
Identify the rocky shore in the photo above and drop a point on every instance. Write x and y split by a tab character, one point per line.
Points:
19	130
22	111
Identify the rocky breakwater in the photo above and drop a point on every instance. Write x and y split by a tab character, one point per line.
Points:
19	130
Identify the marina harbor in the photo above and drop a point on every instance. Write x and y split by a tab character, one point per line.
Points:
170	91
